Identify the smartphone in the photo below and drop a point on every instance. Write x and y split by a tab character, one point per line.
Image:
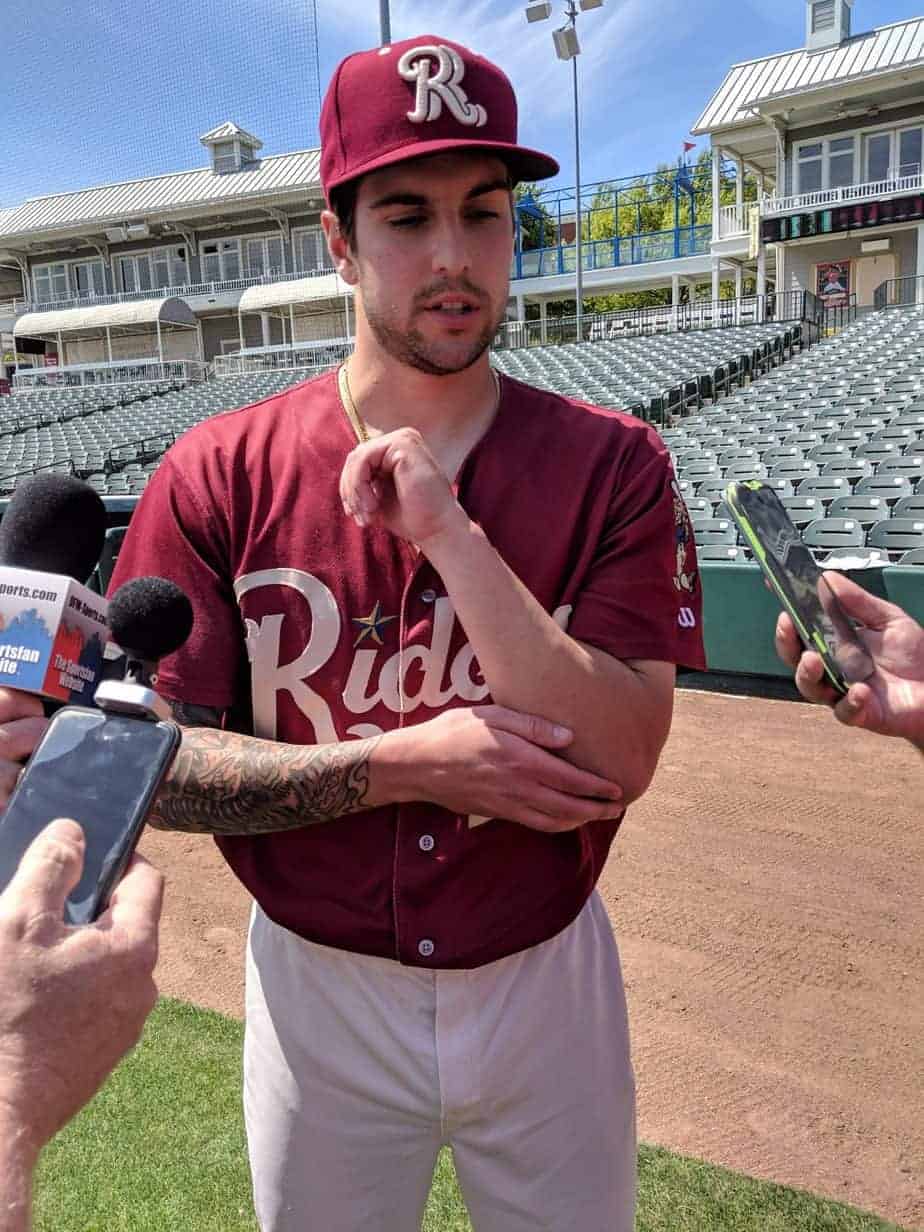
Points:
799	583
103	770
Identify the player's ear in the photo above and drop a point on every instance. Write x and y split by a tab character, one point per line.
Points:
340	248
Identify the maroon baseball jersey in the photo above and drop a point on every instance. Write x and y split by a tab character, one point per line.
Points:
338	632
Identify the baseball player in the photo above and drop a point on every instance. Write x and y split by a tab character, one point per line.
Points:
438	614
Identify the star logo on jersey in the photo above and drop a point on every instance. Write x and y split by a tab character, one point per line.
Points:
372	626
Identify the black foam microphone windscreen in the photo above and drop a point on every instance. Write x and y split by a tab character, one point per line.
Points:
149	618
54	523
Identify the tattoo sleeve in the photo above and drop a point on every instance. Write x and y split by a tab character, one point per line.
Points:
225	783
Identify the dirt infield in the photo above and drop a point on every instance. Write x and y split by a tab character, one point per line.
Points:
767	898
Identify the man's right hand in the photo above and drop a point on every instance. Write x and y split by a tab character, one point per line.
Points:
490	761
891	700
22	725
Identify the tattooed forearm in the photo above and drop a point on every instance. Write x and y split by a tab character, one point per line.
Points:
225	783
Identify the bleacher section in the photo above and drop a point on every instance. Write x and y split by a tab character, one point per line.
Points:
116	446
838	428
839	432
660	375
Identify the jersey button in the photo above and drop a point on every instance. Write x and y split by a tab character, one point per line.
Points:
426	842
425	948
428	596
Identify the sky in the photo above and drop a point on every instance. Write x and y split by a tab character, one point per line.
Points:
98	91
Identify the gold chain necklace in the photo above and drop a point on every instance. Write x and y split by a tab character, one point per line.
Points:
357	422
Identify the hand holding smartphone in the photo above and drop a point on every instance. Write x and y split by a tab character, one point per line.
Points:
103	767
799	583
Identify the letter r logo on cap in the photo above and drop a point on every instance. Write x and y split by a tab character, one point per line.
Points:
443	86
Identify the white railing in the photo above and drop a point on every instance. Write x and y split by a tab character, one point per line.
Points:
733	220
852	194
217	287
316	354
122	372
13	307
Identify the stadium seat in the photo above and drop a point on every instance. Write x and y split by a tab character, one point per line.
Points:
698	508
911	467
711	531
909	507
796	470
913	557
720	552
803	509
825	487
850	468
712	489
828	533
746	470
890	487
897	535
867	510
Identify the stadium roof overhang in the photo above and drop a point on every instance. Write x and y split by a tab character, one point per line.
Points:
292	293
100	317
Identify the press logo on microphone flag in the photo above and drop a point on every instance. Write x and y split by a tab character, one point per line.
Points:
53	635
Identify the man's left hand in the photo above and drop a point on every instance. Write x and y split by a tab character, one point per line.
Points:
395	483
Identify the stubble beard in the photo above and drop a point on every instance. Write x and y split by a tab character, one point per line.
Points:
409	346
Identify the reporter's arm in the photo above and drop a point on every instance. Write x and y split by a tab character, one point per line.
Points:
891	701
72	1000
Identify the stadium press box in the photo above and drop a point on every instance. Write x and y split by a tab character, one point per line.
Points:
53	635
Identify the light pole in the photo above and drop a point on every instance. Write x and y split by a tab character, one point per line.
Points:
567	47
384	23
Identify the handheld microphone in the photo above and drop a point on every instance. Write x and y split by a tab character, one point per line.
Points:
53	629
104	767
149	618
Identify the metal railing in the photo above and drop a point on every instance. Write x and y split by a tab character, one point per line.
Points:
899	292
663	319
850	194
836	316
217	287
124	372
619	250
318	354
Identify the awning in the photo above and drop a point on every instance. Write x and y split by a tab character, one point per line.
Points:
96	317
296	291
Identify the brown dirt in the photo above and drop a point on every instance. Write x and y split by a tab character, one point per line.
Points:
767	898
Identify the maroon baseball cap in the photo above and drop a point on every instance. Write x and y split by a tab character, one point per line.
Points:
421	96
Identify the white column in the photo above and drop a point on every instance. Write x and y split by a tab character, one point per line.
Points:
675	297
715	278
160	345
739	189
762	269
109	343
739	281
292	324
919	270
781	286
543	322
716	191
265	329
240	328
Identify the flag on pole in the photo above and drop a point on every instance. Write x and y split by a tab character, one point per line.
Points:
689	145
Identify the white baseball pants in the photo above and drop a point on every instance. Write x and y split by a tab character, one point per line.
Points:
357	1070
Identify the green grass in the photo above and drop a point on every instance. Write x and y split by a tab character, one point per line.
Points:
161	1149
